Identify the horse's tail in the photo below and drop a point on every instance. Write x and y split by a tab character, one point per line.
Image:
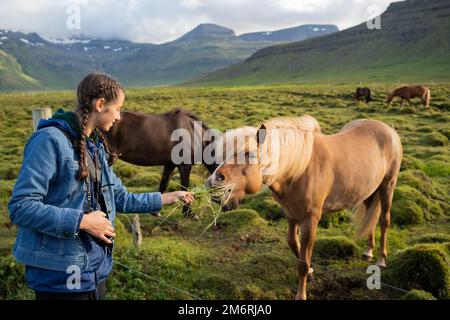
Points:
426	97
366	217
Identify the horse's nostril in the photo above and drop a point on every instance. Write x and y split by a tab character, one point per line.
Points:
220	177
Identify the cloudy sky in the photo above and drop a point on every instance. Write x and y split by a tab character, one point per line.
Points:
157	21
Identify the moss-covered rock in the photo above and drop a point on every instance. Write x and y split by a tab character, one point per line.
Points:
418	295
445	132
434	139
410	206
424	129
267	207
123	236
417	180
424	266
406	212
338	247
433	238
437	168
145	180
240	218
9	172
13	282
124	170
255	292
334	219
217	286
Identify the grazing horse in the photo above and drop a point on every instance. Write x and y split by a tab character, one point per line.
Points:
363	93
410	92
312	174
145	139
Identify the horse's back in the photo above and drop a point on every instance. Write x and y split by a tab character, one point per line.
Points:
370	127
359	158
368	140
410	91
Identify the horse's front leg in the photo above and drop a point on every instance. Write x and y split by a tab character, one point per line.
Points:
168	169
292	237
308	228
409	101
185	172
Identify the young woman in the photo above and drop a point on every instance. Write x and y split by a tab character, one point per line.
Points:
66	196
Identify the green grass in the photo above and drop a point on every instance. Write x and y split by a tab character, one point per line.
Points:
245	256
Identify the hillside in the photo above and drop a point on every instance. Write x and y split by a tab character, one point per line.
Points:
413	44
37	62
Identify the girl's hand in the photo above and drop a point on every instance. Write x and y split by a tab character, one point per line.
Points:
172	197
98	226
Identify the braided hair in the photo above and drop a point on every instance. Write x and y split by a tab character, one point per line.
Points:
94	86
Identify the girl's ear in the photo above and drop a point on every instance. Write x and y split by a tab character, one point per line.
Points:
100	104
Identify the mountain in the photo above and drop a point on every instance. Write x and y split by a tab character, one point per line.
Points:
207	31
29	61
291	34
412	45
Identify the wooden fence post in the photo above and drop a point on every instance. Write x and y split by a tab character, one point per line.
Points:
136	230
40	113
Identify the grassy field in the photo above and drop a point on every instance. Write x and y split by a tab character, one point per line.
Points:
245	256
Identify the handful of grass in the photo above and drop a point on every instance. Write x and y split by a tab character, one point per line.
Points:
209	200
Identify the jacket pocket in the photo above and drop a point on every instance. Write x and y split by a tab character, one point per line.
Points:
70	173
71	247
62	247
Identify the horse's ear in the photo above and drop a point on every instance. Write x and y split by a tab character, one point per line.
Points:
261	135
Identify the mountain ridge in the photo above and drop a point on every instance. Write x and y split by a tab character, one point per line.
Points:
400	50
46	63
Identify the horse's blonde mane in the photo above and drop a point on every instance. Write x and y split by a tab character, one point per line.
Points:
235	142
286	151
283	155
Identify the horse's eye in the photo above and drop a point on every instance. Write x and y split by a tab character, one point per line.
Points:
220	177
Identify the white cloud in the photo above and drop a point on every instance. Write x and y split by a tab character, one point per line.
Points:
160	21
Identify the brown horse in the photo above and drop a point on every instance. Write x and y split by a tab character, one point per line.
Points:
410	92
363	93
145	139
312	174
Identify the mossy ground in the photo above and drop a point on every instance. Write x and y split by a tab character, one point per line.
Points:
245	256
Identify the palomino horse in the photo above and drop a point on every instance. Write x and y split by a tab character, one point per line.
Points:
145	139
312	174
410	92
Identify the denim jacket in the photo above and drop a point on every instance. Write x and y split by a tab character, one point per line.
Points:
47	202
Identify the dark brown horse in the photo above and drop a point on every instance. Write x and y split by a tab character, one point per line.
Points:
410	92
363	93
145	140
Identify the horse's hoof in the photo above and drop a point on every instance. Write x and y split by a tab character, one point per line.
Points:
311	274
300	297
381	263
367	257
